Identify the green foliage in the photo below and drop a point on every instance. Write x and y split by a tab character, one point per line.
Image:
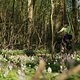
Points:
12	75
30	68
27	52
0	52
74	77
13	52
54	66
31	64
77	46
77	59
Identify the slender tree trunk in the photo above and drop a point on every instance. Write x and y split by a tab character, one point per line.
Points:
52	24
75	18
12	27
57	16
13	8
30	21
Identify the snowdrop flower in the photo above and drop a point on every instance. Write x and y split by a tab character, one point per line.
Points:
36	67
29	65
32	58
72	56
59	57
23	68
56	60
10	67
19	71
11	56
49	70
49	63
22	65
61	67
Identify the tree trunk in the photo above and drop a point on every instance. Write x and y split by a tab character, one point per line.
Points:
30	21
12	27
59	14
75	18
52	24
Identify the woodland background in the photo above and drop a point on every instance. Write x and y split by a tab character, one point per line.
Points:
31	24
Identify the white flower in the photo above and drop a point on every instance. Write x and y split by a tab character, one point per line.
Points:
23	68
59	57
32	58
11	56
56	60
36	67
19	71
61	67
10	67
73	57
22	65
49	69
29	65
49	63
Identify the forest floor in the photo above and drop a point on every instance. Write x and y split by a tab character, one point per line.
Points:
23	67
19	66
